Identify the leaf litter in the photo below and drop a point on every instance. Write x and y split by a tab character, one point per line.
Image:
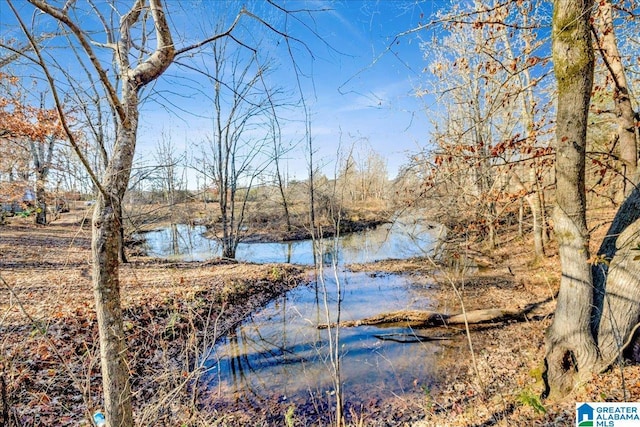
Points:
49	364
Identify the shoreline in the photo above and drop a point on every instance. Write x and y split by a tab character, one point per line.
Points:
172	308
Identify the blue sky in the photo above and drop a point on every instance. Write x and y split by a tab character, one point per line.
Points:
358	85
358	81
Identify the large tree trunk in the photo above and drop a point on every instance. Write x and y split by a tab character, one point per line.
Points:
571	351
615	278
621	304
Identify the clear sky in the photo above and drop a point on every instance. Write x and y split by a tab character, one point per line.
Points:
357	76
359	85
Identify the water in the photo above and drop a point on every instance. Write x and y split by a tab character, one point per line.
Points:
402	239
279	354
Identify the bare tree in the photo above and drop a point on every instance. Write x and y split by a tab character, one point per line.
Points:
237	150
598	305
107	218
570	344
491	139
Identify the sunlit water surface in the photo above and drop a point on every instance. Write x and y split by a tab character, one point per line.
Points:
279	353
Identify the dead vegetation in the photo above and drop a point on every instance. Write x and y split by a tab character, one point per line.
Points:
174	311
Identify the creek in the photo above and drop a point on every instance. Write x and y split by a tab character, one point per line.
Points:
279	355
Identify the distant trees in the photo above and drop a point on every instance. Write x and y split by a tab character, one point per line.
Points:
362	176
166	174
489	147
28	135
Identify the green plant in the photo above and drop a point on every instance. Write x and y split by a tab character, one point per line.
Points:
276	274
428	399
289	417
172	323
527	397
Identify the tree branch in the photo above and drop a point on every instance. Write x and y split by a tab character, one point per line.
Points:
62	16
58	103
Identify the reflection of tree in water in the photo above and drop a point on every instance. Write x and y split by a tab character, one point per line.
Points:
175	240
241	371
402	239
279	357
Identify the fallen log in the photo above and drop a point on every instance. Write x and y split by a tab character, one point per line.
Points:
425	318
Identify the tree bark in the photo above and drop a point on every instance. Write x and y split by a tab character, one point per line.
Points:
42	155
621	303
41	201
106	283
571	353
625	116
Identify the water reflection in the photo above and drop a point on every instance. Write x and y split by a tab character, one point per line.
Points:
280	352
404	238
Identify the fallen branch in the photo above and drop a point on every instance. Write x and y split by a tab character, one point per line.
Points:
409	338
423	318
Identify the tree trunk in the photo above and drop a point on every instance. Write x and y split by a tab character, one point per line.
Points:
42	153
615	276
571	351
621	304
521	219
281	188
41	202
106	251
122	255
625	116
106	283
107	218
536	213
537	210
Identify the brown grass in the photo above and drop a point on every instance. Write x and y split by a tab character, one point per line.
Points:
49	347
173	312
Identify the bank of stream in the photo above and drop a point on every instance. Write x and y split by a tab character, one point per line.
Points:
278	356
